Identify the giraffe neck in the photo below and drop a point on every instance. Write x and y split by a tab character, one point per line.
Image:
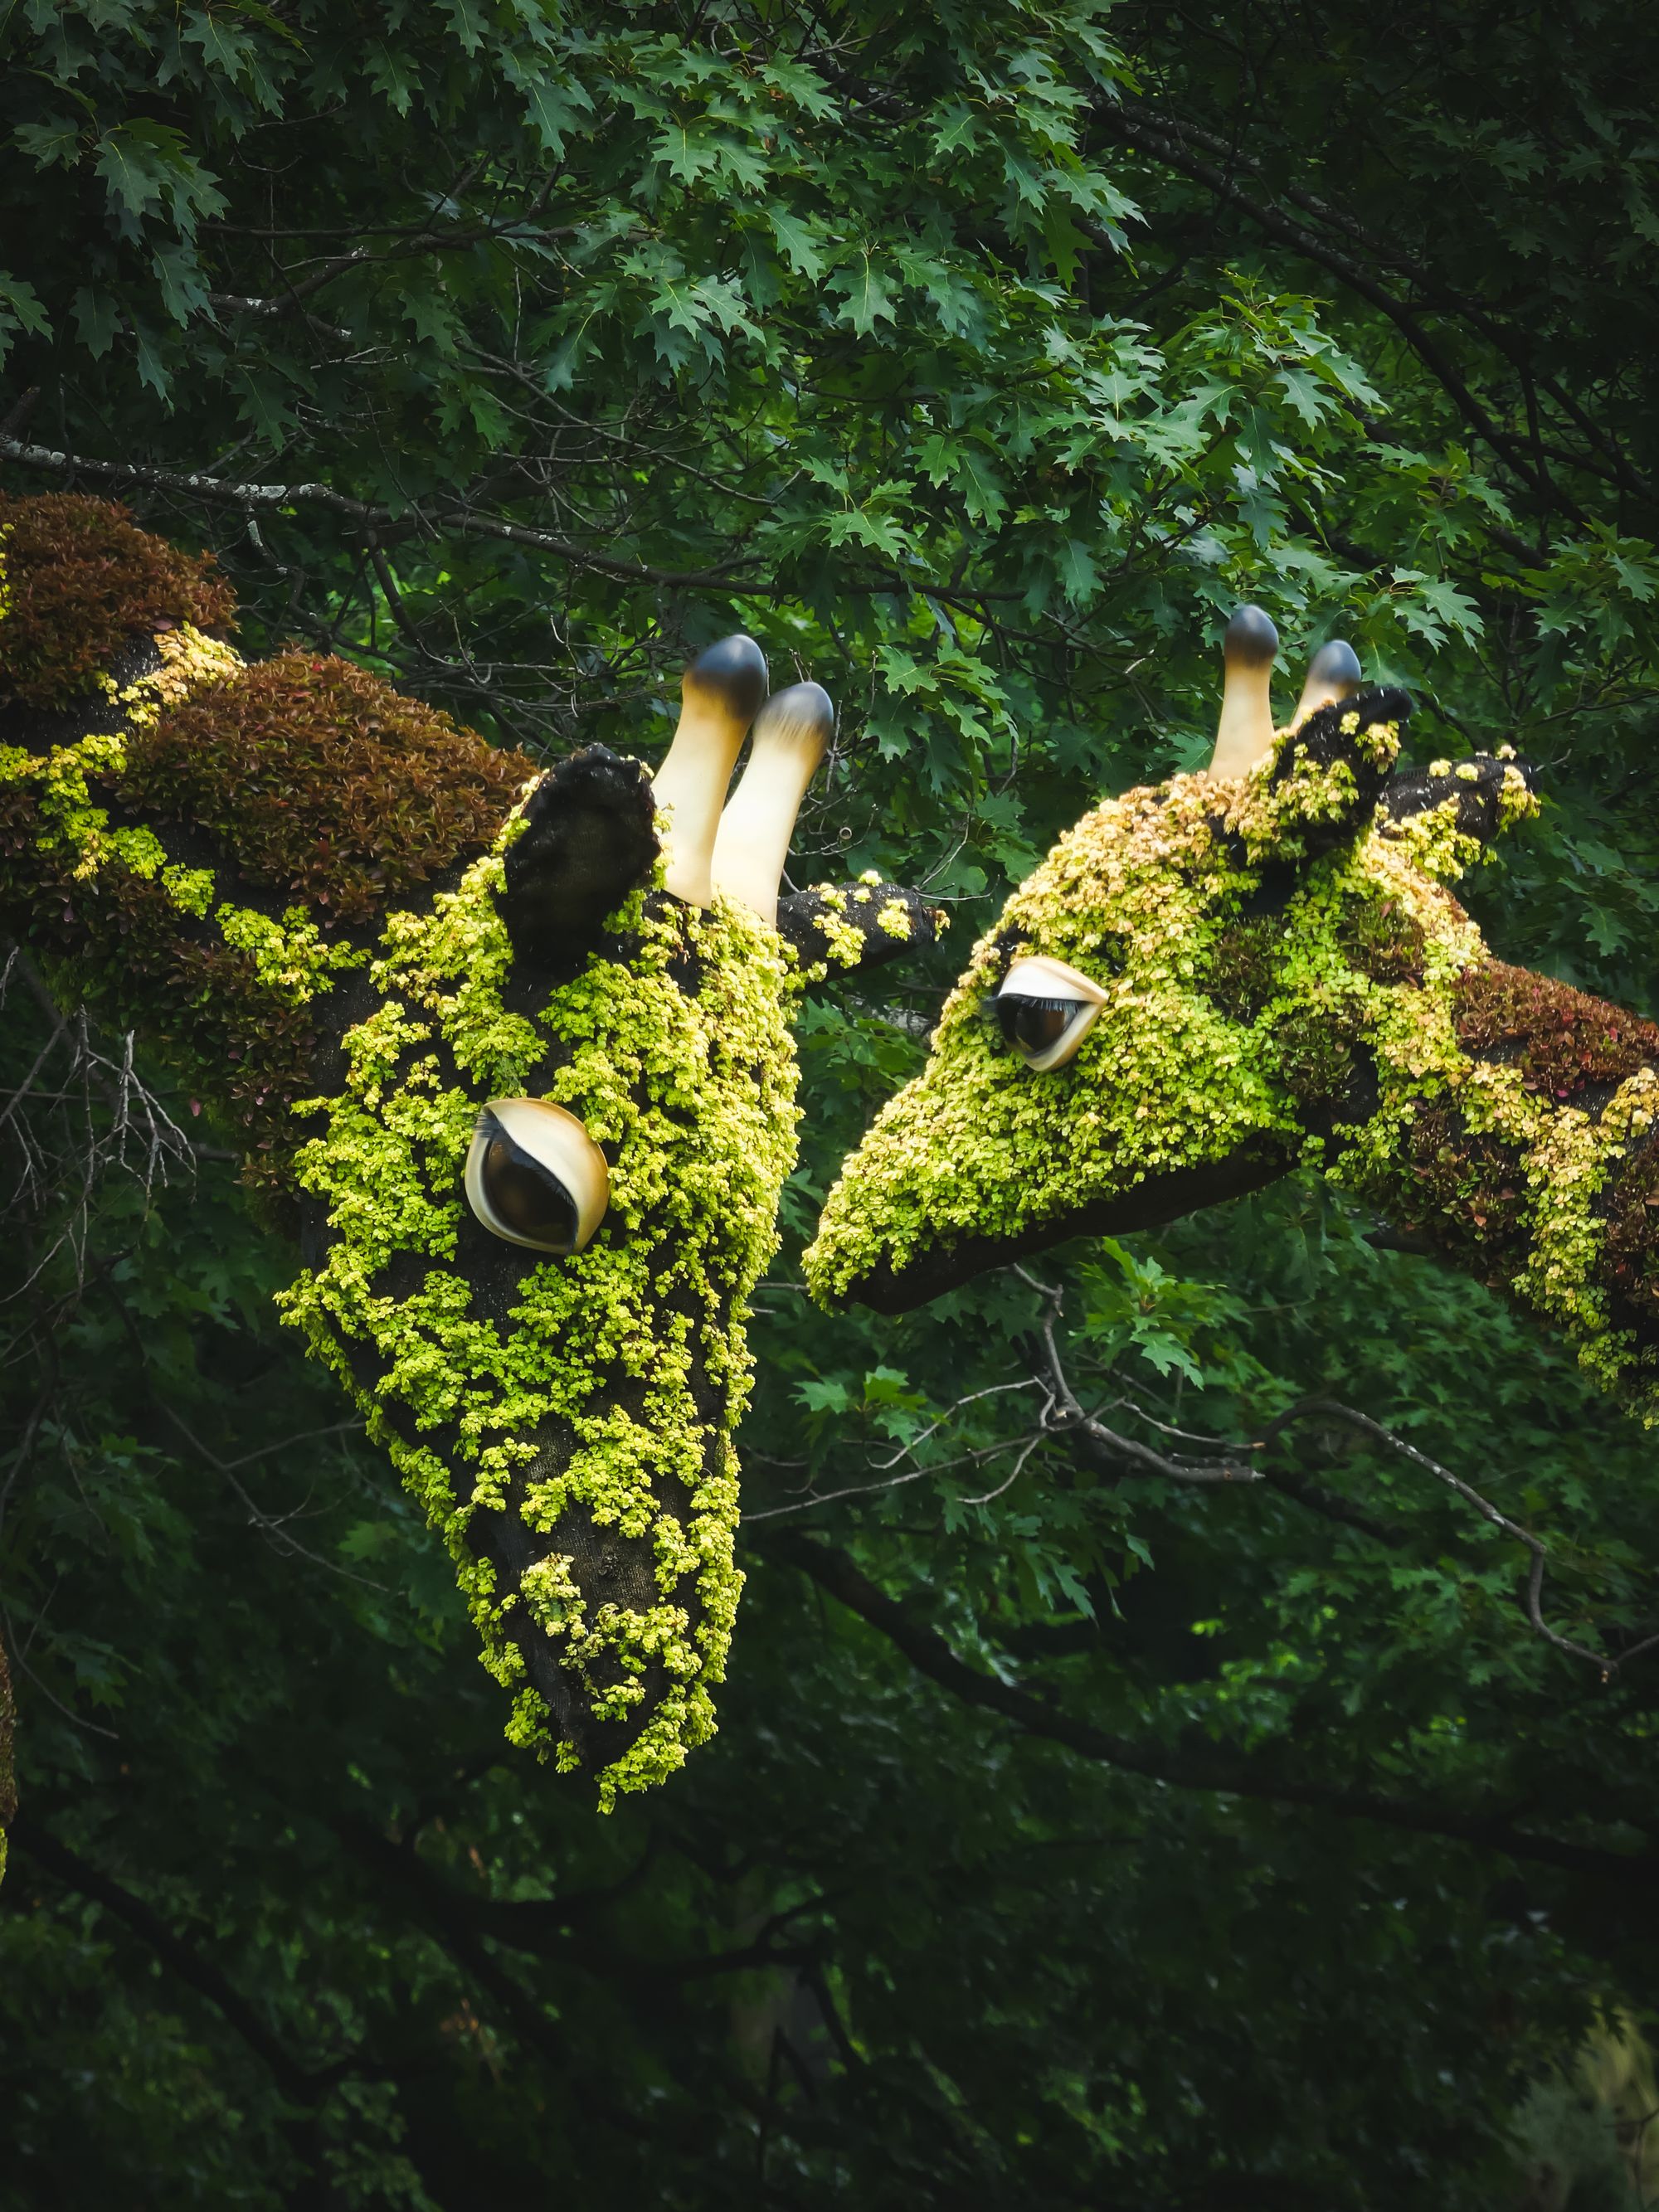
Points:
1527	1153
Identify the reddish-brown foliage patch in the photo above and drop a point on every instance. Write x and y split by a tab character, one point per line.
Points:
1564	1041
1630	1264
1243	967
1381	940
324	781
1312	1055
83	580
1468	1189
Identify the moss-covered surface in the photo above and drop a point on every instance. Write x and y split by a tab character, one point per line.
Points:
290	876
832	930
80	581
140	928
1154	897
1287	974
198	846
1319	786
327	785
568	1424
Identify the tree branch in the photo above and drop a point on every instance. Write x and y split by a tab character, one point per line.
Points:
835	1572
1617	469
545	1929
303	2084
194	484
1163	140
1328	1408
734	577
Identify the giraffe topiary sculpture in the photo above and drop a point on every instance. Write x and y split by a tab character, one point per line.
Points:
509	1053
1261	967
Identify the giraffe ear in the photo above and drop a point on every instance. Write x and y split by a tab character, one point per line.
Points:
848	932
1321	781
1486	795
589	840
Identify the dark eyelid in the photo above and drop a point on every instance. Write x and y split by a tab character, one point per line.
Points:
996	1006
514	1160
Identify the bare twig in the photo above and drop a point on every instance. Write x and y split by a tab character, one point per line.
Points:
196	484
95	1115
1329	1409
1218	1467
1061	1414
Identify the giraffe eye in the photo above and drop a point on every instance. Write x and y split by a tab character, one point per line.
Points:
535	1177
1045	1010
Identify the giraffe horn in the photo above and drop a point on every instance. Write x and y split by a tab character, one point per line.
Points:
719	694
1246	730
791	733
1333	674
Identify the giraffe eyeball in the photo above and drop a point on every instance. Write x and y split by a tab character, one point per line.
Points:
1045	1010
535	1177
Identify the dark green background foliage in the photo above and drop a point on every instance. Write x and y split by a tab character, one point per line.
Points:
1072	1837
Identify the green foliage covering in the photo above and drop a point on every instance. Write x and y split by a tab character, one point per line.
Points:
1144	896
1539	1148
1256	1852
582	1410
605	1398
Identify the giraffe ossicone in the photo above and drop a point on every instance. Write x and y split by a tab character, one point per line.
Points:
1284	980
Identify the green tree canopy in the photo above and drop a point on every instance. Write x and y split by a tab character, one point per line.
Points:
1074	1835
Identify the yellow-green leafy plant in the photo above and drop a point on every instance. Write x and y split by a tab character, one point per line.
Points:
510	1054
1258	968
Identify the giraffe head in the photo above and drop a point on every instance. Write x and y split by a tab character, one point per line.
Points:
546	1181
1202	985
512	1050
